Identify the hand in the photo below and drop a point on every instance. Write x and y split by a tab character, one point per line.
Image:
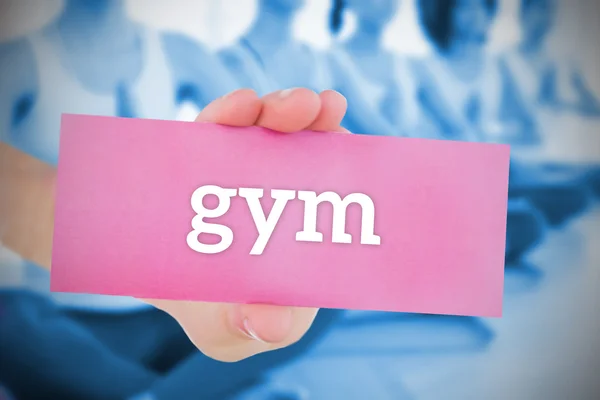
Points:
226	332
231	332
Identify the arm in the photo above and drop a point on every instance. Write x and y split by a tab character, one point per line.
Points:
514	109
392	107
359	111
26	205
588	103
548	95
235	66
27	184
196	68
451	125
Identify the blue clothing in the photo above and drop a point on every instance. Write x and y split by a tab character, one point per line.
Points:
258	72
76	354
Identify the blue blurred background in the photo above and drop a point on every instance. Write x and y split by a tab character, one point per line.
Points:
522	72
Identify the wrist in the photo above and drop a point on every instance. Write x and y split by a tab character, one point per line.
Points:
26	204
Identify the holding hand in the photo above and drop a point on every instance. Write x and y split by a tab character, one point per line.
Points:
227	332
231	332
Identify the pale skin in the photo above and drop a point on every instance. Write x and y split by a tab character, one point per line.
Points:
226	332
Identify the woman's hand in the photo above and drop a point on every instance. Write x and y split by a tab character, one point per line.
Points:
231	332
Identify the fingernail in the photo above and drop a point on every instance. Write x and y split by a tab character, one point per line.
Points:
286	93
247	330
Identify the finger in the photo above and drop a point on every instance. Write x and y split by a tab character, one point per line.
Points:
239	108
231	332
333	109
289	110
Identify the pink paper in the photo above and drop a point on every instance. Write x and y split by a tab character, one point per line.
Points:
124	216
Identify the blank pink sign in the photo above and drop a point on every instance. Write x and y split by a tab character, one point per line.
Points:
124	215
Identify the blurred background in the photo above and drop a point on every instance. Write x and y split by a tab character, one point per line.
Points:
521	72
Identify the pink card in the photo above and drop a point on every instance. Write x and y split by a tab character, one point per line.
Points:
190	211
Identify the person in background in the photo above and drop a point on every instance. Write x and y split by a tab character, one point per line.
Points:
94	60
374	80
543	84
268	57
459	86
378	82
536	73
461	90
